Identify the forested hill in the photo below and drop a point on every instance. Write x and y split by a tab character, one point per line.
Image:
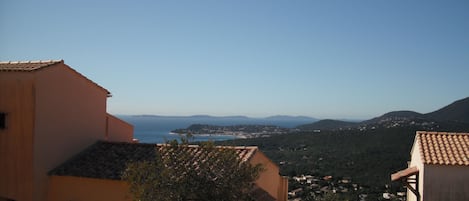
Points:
456	113
368	152
366	156
327	124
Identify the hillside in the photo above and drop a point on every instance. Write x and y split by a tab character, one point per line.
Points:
368	157
327	124
394	116
457	111
367	152
455	114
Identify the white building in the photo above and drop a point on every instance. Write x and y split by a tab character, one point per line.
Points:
439	167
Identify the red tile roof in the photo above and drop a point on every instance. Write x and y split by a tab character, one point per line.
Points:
29	66
442	148
26	65
105	160
108	160
244	152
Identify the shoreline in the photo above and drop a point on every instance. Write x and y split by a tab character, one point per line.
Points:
209	135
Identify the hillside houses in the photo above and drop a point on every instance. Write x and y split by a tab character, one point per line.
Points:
315	186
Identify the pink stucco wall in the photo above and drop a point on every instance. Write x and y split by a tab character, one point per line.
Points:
63	188
16	140
270	180
118	130
53	114
70	116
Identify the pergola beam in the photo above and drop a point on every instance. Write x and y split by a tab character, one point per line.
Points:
405	176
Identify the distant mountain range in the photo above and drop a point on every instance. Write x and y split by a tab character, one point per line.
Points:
276	117
455	113
174	122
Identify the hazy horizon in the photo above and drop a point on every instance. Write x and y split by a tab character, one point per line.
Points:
323	59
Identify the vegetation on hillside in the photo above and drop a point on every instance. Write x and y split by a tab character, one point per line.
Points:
368	157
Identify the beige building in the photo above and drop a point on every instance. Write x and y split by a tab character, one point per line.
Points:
51	116
439	167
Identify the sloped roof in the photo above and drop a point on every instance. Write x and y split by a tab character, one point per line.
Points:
31	66
26	65
243	152
442	148
108	160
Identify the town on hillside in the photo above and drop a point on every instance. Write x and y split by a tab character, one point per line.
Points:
310	187
240	131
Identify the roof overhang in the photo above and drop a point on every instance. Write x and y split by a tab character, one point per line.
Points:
410	178
404	173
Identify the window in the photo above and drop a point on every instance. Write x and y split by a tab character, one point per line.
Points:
3	119
2	198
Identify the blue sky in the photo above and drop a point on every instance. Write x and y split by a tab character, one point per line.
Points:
326	59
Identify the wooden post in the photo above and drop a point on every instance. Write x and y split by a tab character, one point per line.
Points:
408	181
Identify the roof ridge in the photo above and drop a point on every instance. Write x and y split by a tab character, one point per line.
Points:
440	133
197	146
32	66
32	61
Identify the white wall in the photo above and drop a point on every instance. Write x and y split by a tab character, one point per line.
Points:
417	162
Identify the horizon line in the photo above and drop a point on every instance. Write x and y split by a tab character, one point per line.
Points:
240	116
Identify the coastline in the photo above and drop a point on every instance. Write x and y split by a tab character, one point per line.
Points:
212	135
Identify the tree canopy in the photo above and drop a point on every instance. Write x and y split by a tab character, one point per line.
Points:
184	172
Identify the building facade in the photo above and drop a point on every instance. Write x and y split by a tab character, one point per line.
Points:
51	116
439	167
99	169
50	113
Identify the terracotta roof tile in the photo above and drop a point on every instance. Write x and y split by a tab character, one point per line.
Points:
108	160
243	152
26	65
105	160
442	148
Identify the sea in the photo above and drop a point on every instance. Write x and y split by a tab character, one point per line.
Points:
157	129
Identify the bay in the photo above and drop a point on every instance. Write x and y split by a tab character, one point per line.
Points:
157	129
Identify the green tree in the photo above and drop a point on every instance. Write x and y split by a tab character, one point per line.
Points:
184	172
331	197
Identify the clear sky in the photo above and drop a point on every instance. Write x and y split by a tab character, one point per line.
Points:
325	58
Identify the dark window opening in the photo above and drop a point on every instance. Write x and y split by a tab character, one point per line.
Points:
3	119
5	199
